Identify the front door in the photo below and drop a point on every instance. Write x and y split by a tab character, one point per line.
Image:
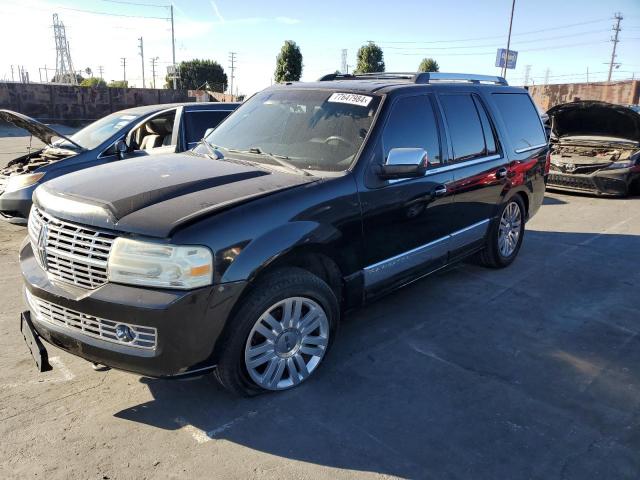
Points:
406	222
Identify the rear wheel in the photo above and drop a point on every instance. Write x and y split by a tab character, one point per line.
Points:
505	238
280	334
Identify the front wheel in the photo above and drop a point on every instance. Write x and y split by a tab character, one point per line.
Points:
505	238
280	334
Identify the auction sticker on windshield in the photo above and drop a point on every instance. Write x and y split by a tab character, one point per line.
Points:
350	98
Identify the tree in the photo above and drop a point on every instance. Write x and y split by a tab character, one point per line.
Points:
118	84
428	65
370	59
199	74
66	78
88	71
288	63
93	82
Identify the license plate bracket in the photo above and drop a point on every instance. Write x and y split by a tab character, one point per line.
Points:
35	345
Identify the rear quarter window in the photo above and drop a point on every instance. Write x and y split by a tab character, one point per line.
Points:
521	119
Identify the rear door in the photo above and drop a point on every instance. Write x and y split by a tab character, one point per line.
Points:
478	164
405	221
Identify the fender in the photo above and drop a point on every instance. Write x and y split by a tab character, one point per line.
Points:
264	250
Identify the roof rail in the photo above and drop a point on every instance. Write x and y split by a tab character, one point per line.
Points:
417	77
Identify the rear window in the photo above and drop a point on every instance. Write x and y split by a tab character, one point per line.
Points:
521	119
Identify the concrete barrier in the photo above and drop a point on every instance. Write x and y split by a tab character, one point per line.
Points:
51	103
547	96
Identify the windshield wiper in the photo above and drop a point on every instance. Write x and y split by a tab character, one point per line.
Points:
280	159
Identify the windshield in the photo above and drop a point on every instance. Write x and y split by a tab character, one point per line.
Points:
94	134
310	129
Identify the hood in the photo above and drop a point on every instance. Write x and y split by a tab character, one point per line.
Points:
39	130
592	118
153	196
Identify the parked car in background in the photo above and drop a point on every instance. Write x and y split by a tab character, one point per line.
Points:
147	130
311	199
595	147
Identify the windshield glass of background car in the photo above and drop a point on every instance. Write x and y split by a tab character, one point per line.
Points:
94	134
315	129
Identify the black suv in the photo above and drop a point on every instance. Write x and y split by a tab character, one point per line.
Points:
310	199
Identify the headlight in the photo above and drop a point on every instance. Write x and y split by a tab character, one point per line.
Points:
159	265
621	164
17	182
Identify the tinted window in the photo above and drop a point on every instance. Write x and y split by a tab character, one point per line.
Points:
197	122
412	124
521	119
464	124
487	128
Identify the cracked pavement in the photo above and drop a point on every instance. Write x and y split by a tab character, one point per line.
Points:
528	372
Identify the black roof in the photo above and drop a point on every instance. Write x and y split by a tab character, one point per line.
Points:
386	81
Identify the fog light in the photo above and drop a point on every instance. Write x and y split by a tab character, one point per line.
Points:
124	333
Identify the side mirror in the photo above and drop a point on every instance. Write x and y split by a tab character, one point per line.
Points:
404	163
208	132
121	148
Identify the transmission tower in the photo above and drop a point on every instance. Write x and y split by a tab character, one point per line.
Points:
64	66
527	72
345	67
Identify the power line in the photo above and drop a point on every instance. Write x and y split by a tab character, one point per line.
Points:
139	4
501	36
537	40
93	12
526	50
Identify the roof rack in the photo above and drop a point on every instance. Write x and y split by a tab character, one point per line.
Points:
417	77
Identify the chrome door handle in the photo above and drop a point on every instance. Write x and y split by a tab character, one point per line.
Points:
440	190
502	173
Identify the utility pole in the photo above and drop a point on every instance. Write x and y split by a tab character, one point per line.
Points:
12	78
123	63
615	28
232	59
587	74
344	67
527	71
101	71
173	47
546	76
153	69
142	56
506	60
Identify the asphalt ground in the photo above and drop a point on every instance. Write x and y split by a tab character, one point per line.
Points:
528	372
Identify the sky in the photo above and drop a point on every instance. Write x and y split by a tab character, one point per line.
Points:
558	39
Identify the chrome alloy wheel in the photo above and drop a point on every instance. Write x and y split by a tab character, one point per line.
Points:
287	343
510	226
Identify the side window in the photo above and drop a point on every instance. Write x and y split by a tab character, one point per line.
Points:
156	132
465	126
522	120
412	124
197	122
487	128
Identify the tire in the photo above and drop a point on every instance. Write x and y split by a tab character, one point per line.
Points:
287	342
493	255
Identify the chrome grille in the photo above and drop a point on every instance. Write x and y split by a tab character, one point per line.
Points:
145	337
69	252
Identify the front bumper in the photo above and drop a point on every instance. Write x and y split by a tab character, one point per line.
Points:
15	206
609	182
187	323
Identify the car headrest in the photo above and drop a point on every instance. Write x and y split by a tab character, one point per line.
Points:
159	126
